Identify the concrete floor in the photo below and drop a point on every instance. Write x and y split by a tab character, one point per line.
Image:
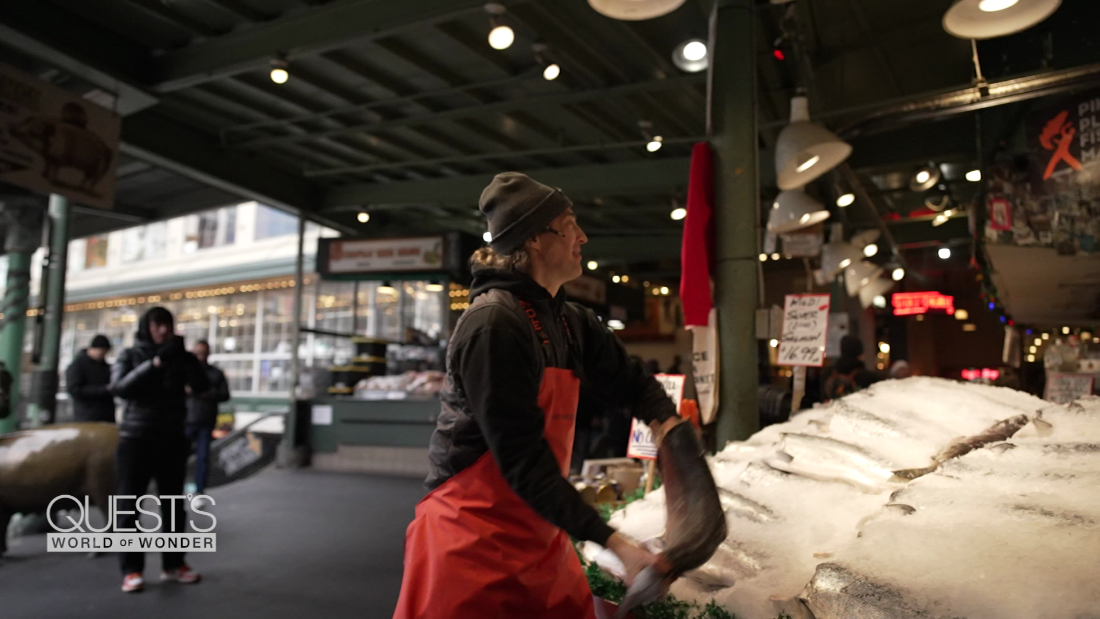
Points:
290	544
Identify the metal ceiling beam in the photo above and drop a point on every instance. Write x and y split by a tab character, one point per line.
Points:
632	248
310	32
487	109
81	48
158	141
665	176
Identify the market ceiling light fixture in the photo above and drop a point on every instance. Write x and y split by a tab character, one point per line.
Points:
974	176
837	256
280	70
487	237
859	275
593	265
898	274
654	144
944	253
806	150
794	210
363	217
550	70
501	36
925	178
846	200
634	10
678	213
988	19
691	56
875	290
870	250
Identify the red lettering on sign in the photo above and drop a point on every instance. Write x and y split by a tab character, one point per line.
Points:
911	303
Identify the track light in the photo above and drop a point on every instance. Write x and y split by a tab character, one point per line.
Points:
987	19
898	274
616	278
925	178
363	217
794	210
654	144
846	200
974	176
944	253
279	71
870	250
551	72
678	213
691	56
487	237
593	265
501	36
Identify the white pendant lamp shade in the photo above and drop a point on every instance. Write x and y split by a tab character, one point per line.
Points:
859	275
837	256
794	210
988	19
806	150
634	10
874	288
691	56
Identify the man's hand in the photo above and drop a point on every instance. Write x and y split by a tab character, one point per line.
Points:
634	558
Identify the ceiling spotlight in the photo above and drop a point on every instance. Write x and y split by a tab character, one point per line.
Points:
593	265
858	275
883	347
691	56
616	278
487	237
774	343
925	178
806	150
626	278
501	36
363	217
988	19
775	256
634	10
974	176
279	71
944	253
879	301
763	257
654	144
678	213
794	210
551	72
837	256
664	289
870	250
961	314
898	274
846	200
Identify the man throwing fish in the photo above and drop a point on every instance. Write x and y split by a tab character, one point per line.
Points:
491	539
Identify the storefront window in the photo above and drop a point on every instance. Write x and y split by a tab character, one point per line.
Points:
215	228
274	376
238	373
278	325
272	222
235	331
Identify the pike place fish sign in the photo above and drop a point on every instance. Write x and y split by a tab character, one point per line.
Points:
805	323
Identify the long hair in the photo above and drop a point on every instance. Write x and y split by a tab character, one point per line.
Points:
487	257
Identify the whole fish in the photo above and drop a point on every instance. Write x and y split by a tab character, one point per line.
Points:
837	592
827	459
1000	431
696	523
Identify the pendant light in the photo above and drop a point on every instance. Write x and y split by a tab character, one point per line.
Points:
806	150
635	10
837	256
794	210
691	56
859	275
874	288
988	19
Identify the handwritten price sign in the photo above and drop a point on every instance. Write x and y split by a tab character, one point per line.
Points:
805	322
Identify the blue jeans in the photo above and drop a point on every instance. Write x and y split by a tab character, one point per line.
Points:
201	438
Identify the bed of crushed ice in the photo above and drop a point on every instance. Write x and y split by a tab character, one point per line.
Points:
818	522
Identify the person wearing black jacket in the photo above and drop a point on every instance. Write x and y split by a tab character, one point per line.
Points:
494	532
152	377
87	380
202	413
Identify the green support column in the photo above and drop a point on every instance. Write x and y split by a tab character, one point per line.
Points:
737	202
45	407
293	451
23	217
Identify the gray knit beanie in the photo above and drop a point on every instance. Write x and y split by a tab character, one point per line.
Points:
519	207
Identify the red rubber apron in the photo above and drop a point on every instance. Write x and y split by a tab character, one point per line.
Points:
476	550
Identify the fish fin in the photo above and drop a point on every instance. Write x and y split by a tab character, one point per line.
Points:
904	475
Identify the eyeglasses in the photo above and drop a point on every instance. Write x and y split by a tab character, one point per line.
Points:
549	229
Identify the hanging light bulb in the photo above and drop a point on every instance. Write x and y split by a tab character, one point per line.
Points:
859	275
551	72
279	71
363	217
487	237
925	178
944	253
593	265
678	213
870	250
898	274
654	144
794	210
615	278
501	36
974	176
846	200
806	150
988	19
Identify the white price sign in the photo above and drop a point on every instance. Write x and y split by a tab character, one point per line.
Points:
1066	388
805	324
642	445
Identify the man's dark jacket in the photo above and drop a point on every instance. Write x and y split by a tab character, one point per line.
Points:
495	362
156	402
202	409
87	381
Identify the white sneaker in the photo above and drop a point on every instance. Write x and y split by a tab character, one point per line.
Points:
133	582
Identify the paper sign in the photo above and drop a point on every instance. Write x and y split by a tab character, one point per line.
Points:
805	323
321	415
1065	388
704	367
641	444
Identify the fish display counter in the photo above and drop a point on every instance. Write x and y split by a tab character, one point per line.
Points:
920	497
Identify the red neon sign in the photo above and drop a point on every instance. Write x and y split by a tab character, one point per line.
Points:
910	303
982	373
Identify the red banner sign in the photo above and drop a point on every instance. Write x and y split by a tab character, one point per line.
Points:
911	303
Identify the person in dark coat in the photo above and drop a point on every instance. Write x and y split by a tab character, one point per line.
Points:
153	377
87	380
202	413
492	538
